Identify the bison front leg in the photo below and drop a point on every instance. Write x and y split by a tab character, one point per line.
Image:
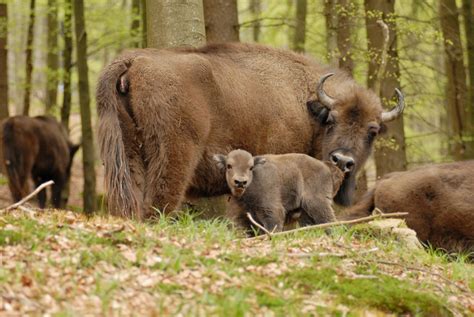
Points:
272	219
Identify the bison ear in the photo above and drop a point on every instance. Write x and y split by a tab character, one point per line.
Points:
73	149
220	159
383	128
259	160
318	111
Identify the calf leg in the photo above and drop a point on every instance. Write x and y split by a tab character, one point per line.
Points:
56	195
42	194
316	210
272	219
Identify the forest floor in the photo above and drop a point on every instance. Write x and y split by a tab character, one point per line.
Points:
64	264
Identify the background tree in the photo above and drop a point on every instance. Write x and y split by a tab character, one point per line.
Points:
390	148
67	64
345	15
53	57
255	9
456	87
3	61
221	20
143	21
174	24
135	27
300	29
29	59
331	30
88	158
468	13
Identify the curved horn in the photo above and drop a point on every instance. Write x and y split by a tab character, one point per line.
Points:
322	96
397	111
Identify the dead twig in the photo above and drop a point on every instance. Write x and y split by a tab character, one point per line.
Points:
24	200
334	224
383	57
269	234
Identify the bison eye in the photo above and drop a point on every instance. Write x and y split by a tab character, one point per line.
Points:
229	167
251	168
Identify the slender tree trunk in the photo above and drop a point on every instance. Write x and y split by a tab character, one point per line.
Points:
3	61
67	55
255	9
300	30
135	27
345	12
222	20
84	100
456	88
143	22
331	30
53	58
468	13
390	152
175	23
29	59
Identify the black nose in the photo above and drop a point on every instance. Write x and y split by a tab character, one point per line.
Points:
240	183
345	163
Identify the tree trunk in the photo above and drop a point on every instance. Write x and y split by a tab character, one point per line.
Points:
331	30
143	22
3	61
456	87
300	30
222	20
345	12
255	9
390	152
135	27
84	101
67	55
53	58
29	59
175	23
468	13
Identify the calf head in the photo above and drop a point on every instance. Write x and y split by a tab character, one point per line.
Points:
239	166
350	123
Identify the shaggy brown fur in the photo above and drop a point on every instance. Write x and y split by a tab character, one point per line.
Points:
439	199
163	113
38	148
279	189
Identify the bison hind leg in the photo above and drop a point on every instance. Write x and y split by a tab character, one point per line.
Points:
42	194
315	211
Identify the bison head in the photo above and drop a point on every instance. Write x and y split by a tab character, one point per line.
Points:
238	165
350	123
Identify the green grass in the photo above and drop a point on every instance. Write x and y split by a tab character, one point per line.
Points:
190	266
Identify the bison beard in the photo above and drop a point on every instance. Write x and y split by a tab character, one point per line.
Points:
36	147
164	113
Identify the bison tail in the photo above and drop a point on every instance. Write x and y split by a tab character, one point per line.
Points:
112	99
13	160
362	208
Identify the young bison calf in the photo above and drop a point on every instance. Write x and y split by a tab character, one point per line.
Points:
279	189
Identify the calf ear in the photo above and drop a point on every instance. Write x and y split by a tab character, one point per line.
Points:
220	159
73	149
259	160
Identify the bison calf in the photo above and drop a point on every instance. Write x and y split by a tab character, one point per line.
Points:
38	148
438	198
278	189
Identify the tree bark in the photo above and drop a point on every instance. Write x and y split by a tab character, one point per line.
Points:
331	30
143	21
3	61
222	20
135	27
456	87
468	13
255	9
300	30
175	23
53	58
67	67
345	12
84	101
390	152
29	59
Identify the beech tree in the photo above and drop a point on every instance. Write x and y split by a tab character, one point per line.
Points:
3	61
221	20
29	59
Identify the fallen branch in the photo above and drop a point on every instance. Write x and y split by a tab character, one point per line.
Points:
269	234
34	193
336	223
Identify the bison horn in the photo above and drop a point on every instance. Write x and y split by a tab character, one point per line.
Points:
397	111
322	96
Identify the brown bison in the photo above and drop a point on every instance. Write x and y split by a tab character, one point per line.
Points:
163	113
279	189
38	148
439	199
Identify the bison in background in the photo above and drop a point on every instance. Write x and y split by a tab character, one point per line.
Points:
39	148
163	113
439	199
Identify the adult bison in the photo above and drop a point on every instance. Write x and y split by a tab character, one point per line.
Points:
164	113
439	199
38	148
